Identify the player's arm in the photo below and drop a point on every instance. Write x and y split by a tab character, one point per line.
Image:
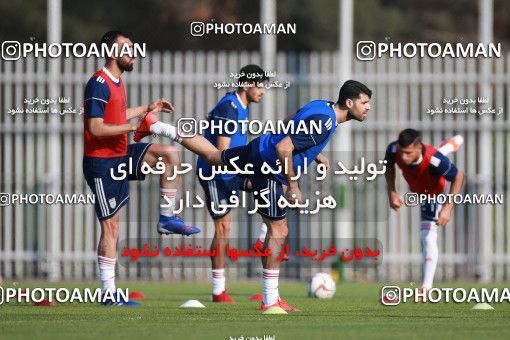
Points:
284	151
222	142
441	165
98	128
289	117
296	143
394	197
160	105
321	159
221	115
446	210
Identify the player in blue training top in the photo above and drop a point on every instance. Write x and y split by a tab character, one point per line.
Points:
226	119
294	149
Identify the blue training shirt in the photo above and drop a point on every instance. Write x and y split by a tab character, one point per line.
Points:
307	145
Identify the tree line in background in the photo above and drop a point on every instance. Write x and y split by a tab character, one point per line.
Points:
165	24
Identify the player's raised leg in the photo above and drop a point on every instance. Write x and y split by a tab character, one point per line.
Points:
451	145
197	144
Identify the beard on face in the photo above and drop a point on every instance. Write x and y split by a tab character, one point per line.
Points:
124	65
351	116
254	98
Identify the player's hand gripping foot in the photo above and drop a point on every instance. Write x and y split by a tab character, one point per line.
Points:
175	225
222	298
280	303
145	126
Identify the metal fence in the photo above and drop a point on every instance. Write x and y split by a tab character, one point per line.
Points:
42	153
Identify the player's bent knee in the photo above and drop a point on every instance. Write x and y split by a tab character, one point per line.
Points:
278	229
171	155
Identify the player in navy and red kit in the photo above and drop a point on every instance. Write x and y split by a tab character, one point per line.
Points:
426	170
106	148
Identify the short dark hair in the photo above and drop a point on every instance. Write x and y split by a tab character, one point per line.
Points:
252	69
110	37
409	136
351	89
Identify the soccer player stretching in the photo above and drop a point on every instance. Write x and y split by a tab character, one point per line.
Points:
106	148
294	149
426	170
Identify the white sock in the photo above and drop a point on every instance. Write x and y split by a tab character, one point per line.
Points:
167	130
428	236
446	149
263	232
167	201
218	281
270	286
106	272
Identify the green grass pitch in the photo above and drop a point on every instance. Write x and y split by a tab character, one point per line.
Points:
354	312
